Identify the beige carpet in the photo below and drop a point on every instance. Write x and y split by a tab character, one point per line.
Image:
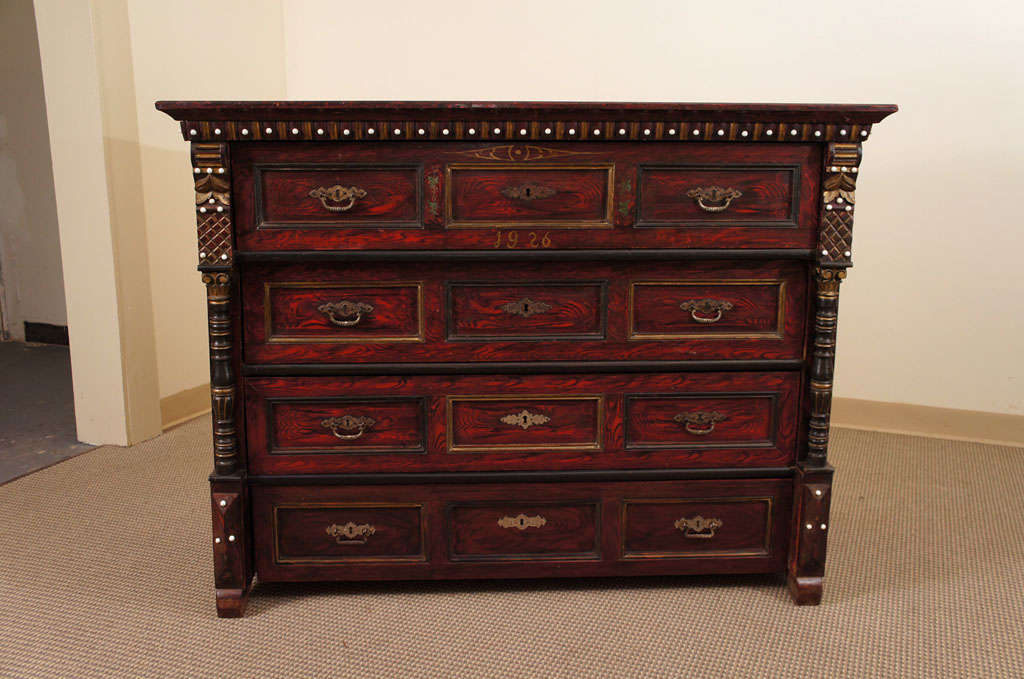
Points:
105	572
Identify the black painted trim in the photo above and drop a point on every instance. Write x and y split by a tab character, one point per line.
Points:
507	368
638	255
585	475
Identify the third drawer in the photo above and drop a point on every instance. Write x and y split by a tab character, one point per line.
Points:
428	423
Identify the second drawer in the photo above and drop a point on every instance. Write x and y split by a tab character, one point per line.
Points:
479	423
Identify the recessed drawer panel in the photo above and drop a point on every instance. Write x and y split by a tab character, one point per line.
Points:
524	312
489	195
510	531
312	532
543	310
300	311
346	425
345	196
435	423
718	194
673	528
482	424
725	309
700	421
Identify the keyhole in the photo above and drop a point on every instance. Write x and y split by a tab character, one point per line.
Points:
527	191
526	308
522	522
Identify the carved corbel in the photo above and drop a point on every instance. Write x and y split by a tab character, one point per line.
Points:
211	171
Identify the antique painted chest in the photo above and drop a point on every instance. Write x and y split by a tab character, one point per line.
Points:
514	340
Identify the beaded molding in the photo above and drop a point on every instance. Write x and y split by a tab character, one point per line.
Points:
465	130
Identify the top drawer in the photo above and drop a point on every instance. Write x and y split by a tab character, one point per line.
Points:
338	196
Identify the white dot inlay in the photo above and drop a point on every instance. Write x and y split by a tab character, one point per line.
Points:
209	170
810	527
572	130
839	200
818	493
842	131
522	131
370	131
216	130
220	170
203	210
245	131
397	131
346	132
192	132
197	170
421	131
224	257
497	130
769	132
223	503
202	255
269	131
472	130
824	526
848	208
817	133
824	253
212	200
846	254
696	133
597	133
231	538
721	133
793	132
622	130
672	131
547	130
295	130
216	541
744	133
220	209
446	131
319	130
863	133
828	207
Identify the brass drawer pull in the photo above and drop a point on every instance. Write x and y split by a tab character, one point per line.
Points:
525	419
345	195
522	522
698	527
528	192
525	307
351	533
700	422
348	423
713	198
701	309
345	313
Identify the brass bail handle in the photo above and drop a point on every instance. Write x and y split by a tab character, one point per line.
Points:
348	423
345	313
341	198
701	309
714	198
700	422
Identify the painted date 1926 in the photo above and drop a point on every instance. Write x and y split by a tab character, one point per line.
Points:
512	240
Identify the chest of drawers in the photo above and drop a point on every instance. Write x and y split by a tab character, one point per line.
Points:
455	340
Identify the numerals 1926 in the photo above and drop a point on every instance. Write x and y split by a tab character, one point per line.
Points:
511	240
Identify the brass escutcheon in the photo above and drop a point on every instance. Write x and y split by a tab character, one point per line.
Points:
698	527
701	309
525	307
345	195
522	521
713	198
525	419
351	533
528	192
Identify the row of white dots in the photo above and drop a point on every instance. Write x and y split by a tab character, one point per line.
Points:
217	541
202	255
209	170
810	526
824	253
523	131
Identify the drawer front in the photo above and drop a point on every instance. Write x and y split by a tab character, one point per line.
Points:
518	196
667	528
339	532
328	196
339	312
558	311
538	422
520	529
719	194
508	531
554	196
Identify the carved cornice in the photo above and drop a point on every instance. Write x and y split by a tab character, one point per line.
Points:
466	129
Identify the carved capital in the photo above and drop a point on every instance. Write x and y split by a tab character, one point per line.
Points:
211	171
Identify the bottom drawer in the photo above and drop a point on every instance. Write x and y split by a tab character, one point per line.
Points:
520	530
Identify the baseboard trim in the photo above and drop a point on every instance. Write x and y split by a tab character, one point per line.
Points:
184	405
918	420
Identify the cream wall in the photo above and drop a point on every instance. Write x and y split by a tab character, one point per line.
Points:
189	49
30	266
933	312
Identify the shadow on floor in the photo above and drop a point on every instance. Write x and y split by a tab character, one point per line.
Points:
37	412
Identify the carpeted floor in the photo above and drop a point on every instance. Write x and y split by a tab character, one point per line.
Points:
105	571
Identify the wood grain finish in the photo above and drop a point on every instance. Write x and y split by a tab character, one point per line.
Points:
521	339
591	312
595	204
594	422
390	196
584	533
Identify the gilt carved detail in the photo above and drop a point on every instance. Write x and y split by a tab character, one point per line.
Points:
212	174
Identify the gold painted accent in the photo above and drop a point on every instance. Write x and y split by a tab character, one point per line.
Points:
528	191
334	339
698	502
526	307
346	310
348	423
778	333
828	281
519	152
522	522
700	422
706	306
717	198
346	195
353	534
596	445
603	223
525	419
380	558
698	527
